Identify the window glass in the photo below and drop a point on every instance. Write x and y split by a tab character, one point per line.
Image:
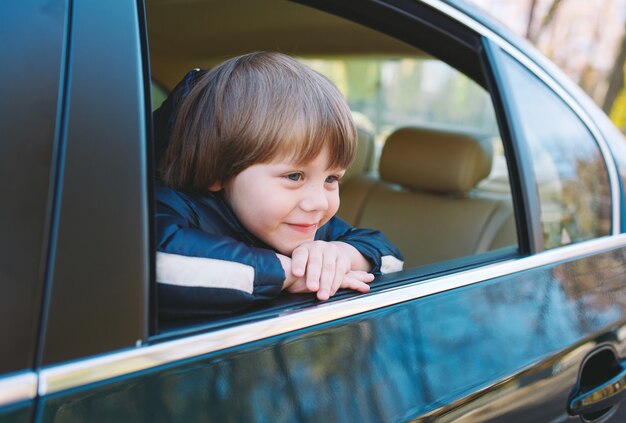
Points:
571	176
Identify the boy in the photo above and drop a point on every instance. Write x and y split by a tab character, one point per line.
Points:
250	189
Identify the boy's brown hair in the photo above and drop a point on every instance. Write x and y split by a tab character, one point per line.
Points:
253	109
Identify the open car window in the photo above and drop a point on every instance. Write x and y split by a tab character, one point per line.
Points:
430	111
430	170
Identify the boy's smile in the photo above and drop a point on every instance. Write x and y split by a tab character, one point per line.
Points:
304	228
282	203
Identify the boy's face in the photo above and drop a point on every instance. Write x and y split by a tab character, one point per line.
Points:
283	204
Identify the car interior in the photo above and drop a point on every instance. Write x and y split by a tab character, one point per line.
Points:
421	197
430	170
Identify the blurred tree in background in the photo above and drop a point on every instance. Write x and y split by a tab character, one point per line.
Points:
585	38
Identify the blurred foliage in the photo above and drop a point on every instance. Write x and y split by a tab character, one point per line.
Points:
586	39
618	111
403	91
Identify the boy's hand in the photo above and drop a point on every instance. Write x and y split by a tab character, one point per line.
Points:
324	267
290	279
356	280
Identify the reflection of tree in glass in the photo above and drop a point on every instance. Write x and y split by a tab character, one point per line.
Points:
587	200
596	284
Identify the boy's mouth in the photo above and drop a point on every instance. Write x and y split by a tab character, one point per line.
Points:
305	228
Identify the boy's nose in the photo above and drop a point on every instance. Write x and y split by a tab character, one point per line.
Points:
314	199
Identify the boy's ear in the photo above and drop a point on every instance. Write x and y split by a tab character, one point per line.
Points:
216	186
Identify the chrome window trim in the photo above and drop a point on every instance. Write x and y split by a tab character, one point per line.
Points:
17	388
554	84
66	376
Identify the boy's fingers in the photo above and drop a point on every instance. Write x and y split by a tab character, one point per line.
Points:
313	270
336	282
298	287
361	275
299	259
327	277
342	267
323	294
355	284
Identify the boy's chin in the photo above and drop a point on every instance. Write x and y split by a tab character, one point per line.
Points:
288	248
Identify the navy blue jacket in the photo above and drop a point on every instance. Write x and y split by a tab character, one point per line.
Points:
208	263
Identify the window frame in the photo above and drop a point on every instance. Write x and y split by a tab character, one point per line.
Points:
103	139
473	60
519	159
33	87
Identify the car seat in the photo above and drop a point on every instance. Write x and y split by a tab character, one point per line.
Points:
423	200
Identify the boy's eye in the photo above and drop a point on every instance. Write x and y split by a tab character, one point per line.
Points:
294	177
332	179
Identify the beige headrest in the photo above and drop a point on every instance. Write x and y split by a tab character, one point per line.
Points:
363	154
434	160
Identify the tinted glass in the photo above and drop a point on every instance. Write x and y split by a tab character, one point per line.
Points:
572	180
30	50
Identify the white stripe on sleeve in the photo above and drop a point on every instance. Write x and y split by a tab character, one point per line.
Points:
390	264
203	272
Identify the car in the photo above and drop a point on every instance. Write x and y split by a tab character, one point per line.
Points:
499	180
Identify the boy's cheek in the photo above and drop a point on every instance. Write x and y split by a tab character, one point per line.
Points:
334	208
328	217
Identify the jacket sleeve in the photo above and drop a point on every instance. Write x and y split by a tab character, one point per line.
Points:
200	273
372	244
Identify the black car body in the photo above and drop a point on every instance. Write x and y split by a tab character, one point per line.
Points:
532	330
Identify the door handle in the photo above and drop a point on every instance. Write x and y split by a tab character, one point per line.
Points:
601	385
602	397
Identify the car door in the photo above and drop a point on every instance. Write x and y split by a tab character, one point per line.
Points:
97	272
506	335
30	74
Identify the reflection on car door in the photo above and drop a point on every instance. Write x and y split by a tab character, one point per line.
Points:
507	348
